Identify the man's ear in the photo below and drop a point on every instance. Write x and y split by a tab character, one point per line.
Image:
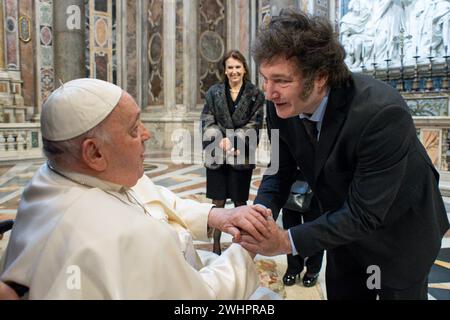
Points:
92	155
321	80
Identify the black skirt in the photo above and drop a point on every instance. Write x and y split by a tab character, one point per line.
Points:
228	183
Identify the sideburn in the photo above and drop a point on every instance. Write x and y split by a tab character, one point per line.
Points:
307	88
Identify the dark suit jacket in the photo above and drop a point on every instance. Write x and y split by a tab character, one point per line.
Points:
374	184
246	120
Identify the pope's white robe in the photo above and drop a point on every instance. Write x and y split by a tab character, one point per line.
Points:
72	241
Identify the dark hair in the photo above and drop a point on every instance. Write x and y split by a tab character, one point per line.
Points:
310	39
235	54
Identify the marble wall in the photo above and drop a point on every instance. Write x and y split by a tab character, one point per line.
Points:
27	53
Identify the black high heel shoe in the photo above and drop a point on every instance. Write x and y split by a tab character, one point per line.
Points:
290	279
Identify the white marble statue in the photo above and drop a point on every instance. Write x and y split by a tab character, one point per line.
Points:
384	27
372	31
430	27
352	26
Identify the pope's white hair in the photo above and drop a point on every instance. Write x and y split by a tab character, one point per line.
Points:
68	152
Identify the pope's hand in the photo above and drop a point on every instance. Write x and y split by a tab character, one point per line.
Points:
250	219
7	293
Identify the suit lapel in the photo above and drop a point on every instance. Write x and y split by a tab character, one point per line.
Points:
334	118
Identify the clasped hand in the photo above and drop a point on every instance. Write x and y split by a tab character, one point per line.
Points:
253	227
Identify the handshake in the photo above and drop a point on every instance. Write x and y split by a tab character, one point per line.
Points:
253	228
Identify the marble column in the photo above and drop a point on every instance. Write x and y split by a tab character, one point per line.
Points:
27	53
253	30
69	39
12	35
232	14
190	89
130	57
121	45
141	52
2	38
169	44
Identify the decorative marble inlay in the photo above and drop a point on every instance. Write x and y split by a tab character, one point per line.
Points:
10	24
212	47
25	28
101	32
179	68
431	140
155	48
429	106
44	13
101	67
11	36
47	82
211	43
155	53
130	42
46	36
101	39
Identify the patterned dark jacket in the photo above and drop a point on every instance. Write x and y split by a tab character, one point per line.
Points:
245	124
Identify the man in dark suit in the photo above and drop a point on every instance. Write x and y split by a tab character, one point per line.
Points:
382	217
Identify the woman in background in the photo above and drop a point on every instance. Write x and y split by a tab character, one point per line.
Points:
234	104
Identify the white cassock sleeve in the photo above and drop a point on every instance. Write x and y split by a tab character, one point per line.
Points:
193	214
143	261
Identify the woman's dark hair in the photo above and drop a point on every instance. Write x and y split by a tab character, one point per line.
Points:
235	54
309	39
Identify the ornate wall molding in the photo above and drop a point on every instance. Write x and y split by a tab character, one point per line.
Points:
101	39
25	28
156	53
211	44
44	50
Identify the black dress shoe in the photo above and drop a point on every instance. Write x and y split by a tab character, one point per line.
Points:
310	281
289	279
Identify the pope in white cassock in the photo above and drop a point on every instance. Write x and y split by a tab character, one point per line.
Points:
91	225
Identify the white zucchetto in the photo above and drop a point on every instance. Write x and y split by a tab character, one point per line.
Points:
76	107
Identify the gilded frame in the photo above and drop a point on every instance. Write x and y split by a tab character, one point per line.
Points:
25	28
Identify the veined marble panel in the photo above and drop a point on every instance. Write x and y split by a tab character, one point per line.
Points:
244	27
212	39
2	39
27	54
12	35
155	53
179	53
131	48
101	39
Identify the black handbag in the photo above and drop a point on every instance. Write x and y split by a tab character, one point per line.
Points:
300	197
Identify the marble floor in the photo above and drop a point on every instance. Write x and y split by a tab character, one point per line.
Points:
189	181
